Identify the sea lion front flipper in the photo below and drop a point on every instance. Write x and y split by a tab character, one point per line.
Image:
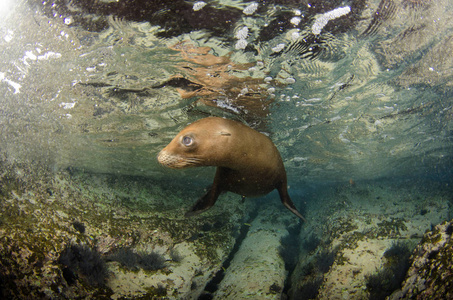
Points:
286	200
204	203
208	200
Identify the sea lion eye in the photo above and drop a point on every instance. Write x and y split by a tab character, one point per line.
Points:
187	141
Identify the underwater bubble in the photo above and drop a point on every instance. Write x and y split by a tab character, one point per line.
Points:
295	35
240	44
335	119
67	105
242	33
68	20
49	55
313	100
30	55
278	48
249	10
198	5
322	19
295	20
226	105
9	36
13	84
290	80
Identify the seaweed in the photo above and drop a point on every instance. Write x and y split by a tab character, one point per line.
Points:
206	296
448	230
388	279
134	261
309	290
275	289
151	262
81	260
398	251
78	226
175	255
313	275
390	228
126	257
160	291
2	287
311	243
324	260
50	191
289	251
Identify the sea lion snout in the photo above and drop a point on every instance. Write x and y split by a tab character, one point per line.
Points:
169	160
165	159
176	161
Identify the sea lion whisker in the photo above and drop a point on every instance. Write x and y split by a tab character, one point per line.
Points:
194	160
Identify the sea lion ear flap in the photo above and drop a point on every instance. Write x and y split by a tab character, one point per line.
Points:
224	133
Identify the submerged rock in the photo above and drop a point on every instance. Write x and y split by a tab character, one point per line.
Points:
43	255
357	240
257	270
431	273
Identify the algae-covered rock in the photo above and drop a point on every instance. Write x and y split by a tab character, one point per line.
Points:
357	240
431	273
64	235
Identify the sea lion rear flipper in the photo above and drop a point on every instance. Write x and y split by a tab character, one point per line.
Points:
286	200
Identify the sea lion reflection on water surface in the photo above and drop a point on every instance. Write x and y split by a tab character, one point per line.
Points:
247	162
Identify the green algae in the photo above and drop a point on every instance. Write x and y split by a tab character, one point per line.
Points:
389	228
37	223
351	241
433	237
342	226
431	268
439	268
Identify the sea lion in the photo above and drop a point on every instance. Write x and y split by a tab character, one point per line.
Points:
247	162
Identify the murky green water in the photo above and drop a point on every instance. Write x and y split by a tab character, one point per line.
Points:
356	95
367	97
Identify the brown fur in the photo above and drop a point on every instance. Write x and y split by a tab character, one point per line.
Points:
247	162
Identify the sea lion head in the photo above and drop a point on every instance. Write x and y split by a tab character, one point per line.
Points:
202	143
